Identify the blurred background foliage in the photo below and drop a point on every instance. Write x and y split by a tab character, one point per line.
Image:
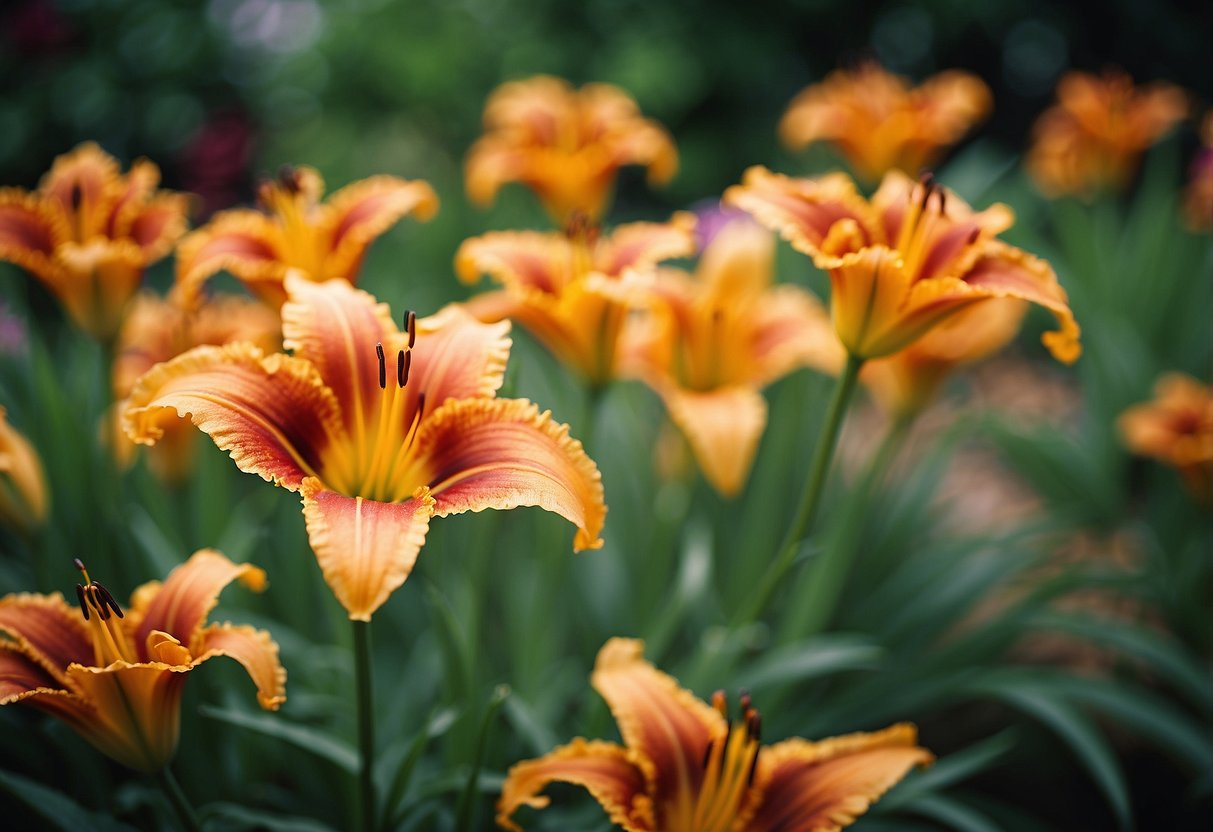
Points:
1031	595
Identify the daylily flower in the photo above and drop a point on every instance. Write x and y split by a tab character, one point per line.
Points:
573	291
117	679
295	231
1093	137
88	232
906	261
712	341
880	123
159	329
22	483
564	144
687	767
1177	428
1198	197
905	382
375	446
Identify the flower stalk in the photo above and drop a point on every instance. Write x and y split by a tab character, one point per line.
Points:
177	799
366	726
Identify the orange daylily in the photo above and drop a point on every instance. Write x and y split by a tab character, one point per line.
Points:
22	484
1092	138
1198	197
1177	428
117	679
712	341
295	231
376	450
573	291
880	123
159	329
687	767
564	144
905	261
89	231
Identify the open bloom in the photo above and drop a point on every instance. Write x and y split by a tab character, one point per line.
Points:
1198	196
573	291
907	260
687	767
1177	428
295	231
1093	137
376	446
117	679
158	329
564	144
89	231
22	483
880	123
710	342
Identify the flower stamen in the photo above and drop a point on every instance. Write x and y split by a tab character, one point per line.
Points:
109	641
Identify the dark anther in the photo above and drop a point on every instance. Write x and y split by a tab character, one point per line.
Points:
404	360
288	177
80	598
382	367
754	725
79	565
108	600
77	196
410	326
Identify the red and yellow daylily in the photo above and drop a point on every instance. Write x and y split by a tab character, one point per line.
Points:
23	499
685	766
89	231
376	445
573	291
158	329
880	123
906	261
1177	428
1095	134
294	231
710	342
564	144
117	679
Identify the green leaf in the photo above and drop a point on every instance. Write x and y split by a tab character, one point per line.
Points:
437	724
235	817
952	769
322	744
812	659
57	808
952	814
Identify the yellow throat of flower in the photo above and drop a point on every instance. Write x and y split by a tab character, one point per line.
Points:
287	199
101	613
920	220
729	763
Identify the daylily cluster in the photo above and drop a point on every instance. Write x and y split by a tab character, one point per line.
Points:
1177	428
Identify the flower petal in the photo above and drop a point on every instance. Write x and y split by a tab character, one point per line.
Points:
517	259
272	414
366	549
824	786
457	357
791	329
46	629
724	427
255	650
30	230
504	453
666	726
188	595
158	224
604	769
21	675
246	243
804	211
640	244
358	213
1005	271
86	184
137	711
96	282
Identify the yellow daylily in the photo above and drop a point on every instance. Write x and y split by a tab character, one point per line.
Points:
23	499
712	341
89	231
880	123
1095	134
573	292
687	767
376	445
117	679
158	329
564	144
906	261
1198	196
1177	428
295	231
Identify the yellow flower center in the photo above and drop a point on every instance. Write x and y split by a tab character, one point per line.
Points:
102	612
919	222
729	763
287	200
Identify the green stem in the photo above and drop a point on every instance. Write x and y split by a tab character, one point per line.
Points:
463	817
178	800
595	393
366	726
823	454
